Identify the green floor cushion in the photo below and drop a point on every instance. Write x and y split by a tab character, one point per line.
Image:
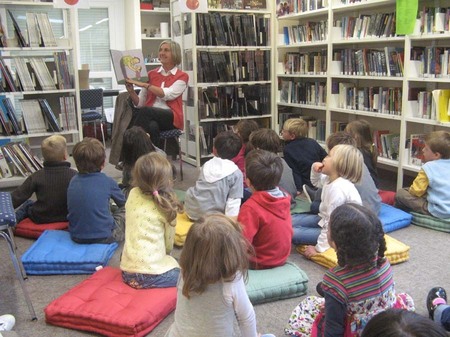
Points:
180	195
278	283
396	252
431	222
301	206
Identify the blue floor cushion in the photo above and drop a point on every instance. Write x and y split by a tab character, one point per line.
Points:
278	283
55	253
431	222
393	218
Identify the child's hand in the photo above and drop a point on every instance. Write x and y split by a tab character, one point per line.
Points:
317	167
310	251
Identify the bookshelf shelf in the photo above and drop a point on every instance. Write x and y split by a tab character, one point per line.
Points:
212	120
397	52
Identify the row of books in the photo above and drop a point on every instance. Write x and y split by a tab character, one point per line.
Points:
233	101
218	29
39	31
308	32
37	116
388	61
434	19
428	104
311	93
311	63
434	61
17	159
387	144
367	25
299	6
233	66
383	100
237	4
35	73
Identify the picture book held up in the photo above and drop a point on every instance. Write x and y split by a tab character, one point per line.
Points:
129	64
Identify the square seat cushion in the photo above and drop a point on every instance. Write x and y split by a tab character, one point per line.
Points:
393	218
431	222
7	214
104	304
28	229
278	283
55	253
182	228
396	252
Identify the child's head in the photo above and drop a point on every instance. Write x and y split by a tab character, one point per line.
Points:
295	128
136	142
263	169
400	322
214	251
54	148
344	160
265	139
360	130
89	155
356	234
152	174
340	137
437	146
244	128
227	145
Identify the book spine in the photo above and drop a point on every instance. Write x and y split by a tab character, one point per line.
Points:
11	115
49	115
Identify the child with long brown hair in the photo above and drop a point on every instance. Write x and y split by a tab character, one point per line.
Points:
211	290
151	211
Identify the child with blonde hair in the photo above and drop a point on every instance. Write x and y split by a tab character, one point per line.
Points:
151	211
49	184
300	151
336	176
211	291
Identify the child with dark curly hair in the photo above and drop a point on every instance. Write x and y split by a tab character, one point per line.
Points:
360	287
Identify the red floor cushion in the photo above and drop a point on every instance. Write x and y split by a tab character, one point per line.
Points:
104	304
387	197
28	229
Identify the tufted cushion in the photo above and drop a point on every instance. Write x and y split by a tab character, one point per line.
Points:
396	252
278	283
28	229
431	222
182	228
7	214
104	304
393	218
301	206
170	134
55	253
91	116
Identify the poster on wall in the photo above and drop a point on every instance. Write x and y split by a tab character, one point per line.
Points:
71	3
193	6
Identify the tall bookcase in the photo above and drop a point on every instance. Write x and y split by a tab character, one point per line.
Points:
330	71
63	25
228	55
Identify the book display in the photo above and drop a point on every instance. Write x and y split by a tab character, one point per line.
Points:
228	56
38	90
340	60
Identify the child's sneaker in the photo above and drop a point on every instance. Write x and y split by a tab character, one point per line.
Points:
436	296
308	192
7	322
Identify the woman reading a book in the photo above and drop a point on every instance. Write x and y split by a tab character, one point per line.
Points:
158	107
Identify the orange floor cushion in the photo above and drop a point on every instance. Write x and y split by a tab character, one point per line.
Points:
28	229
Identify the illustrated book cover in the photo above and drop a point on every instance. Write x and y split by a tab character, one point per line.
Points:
129	64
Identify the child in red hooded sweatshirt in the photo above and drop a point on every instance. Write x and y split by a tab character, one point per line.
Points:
266	217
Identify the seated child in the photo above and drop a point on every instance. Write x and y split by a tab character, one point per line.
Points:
265	216
50	185
300	152
243	129
89	195
220	185
151	211
429	192
267	139
361	286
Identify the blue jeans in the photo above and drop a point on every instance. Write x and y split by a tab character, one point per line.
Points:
442	316
306	228
144	281
22	211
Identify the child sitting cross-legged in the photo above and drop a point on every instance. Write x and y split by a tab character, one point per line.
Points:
265	216
88	198
360	287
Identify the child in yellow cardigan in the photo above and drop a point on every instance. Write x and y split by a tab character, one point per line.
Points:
151	210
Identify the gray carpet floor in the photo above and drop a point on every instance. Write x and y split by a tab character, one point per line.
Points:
428	266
